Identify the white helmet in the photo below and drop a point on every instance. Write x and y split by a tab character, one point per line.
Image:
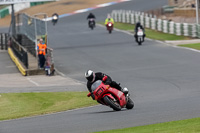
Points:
90	75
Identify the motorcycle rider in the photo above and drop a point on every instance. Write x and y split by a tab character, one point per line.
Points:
109	19
92	77
55	17
137	27
91	16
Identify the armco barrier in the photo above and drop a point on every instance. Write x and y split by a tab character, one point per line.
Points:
151	21
17	62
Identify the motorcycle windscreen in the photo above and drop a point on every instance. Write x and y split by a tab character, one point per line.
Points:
96	85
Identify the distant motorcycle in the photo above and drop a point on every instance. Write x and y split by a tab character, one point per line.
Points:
91	23
54	19
140	37
109	27
110	96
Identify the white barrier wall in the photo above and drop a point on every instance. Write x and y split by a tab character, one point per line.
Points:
194	31
19	7
132	18
185	29
123	17
171	27
153	23
142	20
150	21
147	22
165	26
178	28
159	25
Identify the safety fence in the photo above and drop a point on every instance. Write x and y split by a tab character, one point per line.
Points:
30	26
4	41
150	21
29	30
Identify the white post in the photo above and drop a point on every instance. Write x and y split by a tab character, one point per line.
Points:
197	11
35	26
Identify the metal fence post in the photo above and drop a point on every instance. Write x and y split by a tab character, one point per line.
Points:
1	41
6	42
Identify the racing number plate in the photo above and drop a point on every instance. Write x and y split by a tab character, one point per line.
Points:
99	91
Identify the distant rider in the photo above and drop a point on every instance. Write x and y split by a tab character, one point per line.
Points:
137	27
55	17
109	19
91	16
92	77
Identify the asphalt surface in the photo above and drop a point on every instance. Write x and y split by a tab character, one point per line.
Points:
11	80
163	81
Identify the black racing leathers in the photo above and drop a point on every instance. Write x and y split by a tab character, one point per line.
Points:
99	76
138	26
91	16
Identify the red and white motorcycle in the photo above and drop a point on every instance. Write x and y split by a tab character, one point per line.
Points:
109	27
110	96
140	36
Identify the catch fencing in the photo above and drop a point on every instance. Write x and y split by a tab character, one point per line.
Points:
30	26
30	30
150	21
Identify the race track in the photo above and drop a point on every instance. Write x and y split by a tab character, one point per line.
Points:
163	80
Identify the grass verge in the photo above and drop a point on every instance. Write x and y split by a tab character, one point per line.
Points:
194	46
149	33
16	105
183	126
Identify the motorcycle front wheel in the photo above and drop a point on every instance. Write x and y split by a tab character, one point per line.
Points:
113	104
130	104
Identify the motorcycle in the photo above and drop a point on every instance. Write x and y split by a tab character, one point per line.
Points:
91	23
54	19
110	96
109	27
140	37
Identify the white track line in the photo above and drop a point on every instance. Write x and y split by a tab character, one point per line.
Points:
35	83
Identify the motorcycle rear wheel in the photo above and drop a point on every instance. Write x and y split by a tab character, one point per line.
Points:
91	27
114	105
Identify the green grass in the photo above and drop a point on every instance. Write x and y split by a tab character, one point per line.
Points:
194	46
16	105
153	34
183	126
